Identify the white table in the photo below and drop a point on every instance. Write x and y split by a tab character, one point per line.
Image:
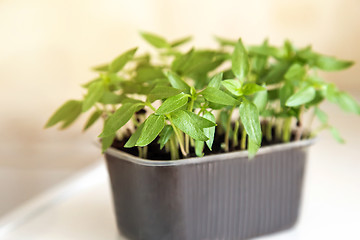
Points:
81	208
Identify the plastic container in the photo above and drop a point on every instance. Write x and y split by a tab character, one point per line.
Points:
225	196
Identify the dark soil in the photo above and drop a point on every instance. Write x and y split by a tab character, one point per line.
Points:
154	152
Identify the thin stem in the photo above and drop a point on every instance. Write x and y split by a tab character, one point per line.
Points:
278	129
268	133
287	130
299	129
236	134
179	137
187	149
243	138
228	125
174	152
145	151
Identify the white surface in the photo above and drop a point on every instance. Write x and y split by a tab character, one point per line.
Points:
81	208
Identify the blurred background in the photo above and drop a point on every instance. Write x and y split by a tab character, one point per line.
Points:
47	48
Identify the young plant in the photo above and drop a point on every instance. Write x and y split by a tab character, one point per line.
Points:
185	102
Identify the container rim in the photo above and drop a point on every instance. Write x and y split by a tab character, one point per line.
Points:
210	158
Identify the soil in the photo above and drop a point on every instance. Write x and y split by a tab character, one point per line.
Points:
154	152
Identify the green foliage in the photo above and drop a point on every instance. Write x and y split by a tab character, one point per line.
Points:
179	99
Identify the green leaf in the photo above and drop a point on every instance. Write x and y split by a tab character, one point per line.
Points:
249	116
177	82
111	98
201	121
148	74
225	42
199	147
327	63
161	92
239	61
106	142
321	116
182	120
92	119
260	100
165	135
335	133
95	92
152	127
67	113
209	132
215	81
233	86
253	147
276	73
348	103
120	118
173	103
155	40
217	96
295	72
285	92
251	88
180	42
301	97
118	63
101	68
134	137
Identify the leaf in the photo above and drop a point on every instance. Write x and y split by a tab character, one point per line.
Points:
239	62
165	135
225	42
251	88
260	100
120	118
92	119
321	116
301	97
118	63
276	73
173	103
152	127
106	142
209	132
111	98
148	74
180	42
177	82
335	133
201	121
215	81
155	40
217	96
95	92
233	86
101	68
285	92
134	137
348	103
161	92
327	63
295	72
253	147
199	147
249	116
182	120
67	113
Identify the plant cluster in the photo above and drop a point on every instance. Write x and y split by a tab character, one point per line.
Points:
180	98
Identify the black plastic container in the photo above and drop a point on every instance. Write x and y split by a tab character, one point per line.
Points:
225	196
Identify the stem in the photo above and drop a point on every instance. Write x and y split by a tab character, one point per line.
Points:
145	151
287	130
179	137
278	128
140	152
174	152
187	149
243	139
150	106
228	125
268	133
299	129
236	134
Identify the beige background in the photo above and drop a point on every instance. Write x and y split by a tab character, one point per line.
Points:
47	47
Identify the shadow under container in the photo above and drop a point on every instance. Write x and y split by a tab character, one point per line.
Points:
224	196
